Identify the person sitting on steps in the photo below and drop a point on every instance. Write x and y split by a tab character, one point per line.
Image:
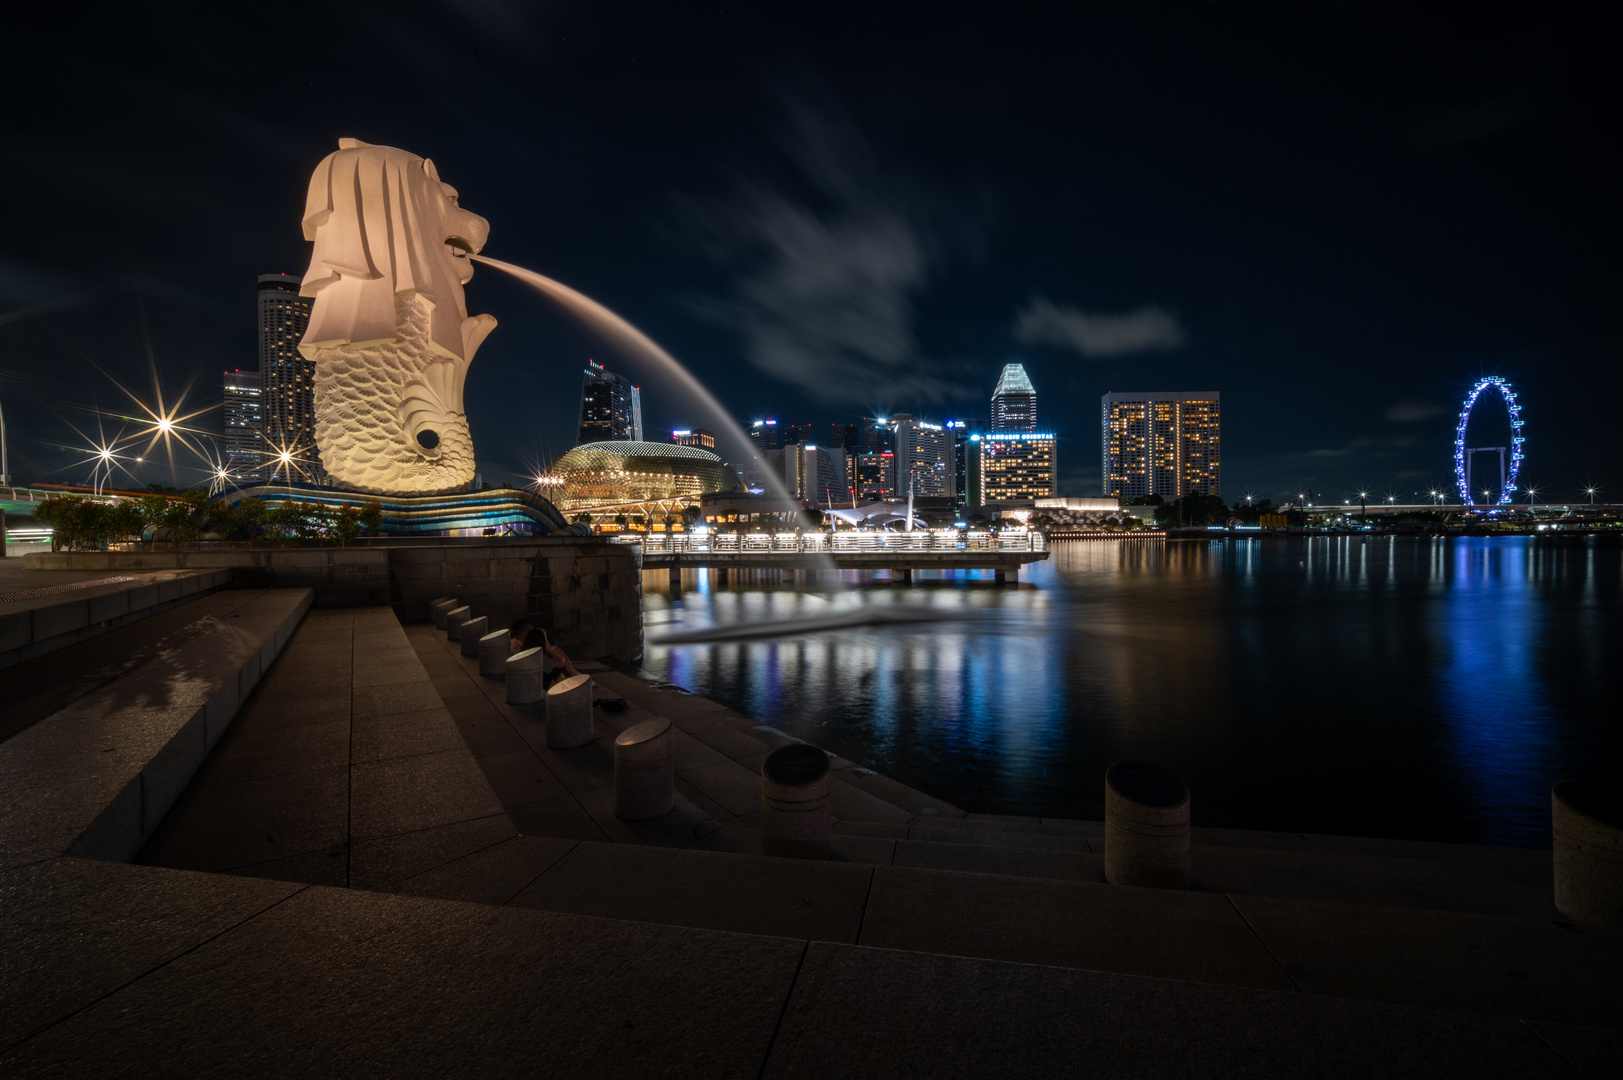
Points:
516	634
561	667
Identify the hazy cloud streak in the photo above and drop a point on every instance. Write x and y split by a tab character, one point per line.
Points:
1148	329
824	295
1407	412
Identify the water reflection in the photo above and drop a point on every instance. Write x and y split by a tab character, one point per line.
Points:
1381	686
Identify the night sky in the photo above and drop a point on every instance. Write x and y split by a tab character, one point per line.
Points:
1339	216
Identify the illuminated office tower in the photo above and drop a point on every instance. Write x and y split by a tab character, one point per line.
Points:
287	381
875	435
765	435
1016	465
244	434
813	473
796	434
961	430
1165	444
874	475
924	458
704	440
1014	401
610	407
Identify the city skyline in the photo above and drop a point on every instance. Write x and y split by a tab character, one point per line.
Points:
1292	211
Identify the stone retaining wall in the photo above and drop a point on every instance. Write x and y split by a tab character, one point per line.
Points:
586	593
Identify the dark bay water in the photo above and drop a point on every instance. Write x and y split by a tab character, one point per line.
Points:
1423	688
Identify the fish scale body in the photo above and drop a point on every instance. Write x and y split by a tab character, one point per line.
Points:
365	442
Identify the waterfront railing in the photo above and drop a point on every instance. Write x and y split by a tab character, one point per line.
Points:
812	543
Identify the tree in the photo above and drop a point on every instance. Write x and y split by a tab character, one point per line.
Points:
371	517
153	509
812	517
621	520
286	522
582	518
346	524
66	517
124	521
249	518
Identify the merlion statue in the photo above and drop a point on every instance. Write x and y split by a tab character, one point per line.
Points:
389	330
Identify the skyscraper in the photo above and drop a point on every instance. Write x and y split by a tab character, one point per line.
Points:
1014	401
847	437
876	435
874	475
961	431
1017	465
287	381
765	435
1165	444
924	458
704	440
244	434
809	472
610	407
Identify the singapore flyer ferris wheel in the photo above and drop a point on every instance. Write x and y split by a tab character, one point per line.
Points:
1509	457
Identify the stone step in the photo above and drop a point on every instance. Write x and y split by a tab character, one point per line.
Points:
53	617
95	776
1491	885
1531	968
130	967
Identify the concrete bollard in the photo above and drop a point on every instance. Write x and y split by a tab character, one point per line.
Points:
644	785
1146	826
454	620
439	609
1587	820
794	803
494	649
470	633
526	674
569	713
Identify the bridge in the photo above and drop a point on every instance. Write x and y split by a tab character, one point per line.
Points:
808	553
1520	509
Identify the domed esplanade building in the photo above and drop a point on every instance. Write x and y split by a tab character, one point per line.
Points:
604	474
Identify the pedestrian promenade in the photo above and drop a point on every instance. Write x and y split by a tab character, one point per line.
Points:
381	869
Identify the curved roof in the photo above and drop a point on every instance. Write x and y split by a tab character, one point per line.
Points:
627	448
601	473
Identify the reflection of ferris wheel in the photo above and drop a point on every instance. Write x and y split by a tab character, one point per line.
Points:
1464	455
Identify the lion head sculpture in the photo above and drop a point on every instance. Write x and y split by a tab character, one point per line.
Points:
389	329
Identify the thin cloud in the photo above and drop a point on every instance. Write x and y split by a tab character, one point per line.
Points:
1149	329
824	292
1407	412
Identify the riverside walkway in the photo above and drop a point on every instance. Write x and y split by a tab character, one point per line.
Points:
899	552
382	870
